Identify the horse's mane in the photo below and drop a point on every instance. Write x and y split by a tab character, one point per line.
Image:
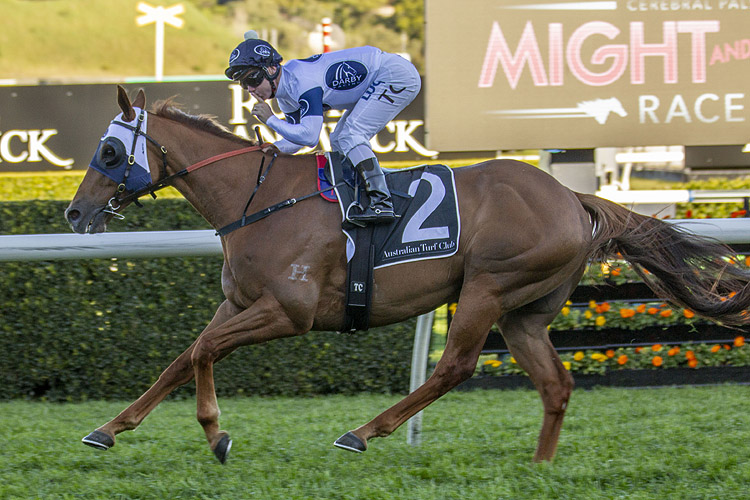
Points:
168	108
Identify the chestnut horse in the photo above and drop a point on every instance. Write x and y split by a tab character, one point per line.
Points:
524	244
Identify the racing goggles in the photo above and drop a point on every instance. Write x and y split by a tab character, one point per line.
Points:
251	77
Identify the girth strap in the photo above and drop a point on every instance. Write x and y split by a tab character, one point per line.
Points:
359	281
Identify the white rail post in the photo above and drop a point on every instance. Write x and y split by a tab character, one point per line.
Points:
419	358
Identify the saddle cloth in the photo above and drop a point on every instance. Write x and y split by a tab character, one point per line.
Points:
424	198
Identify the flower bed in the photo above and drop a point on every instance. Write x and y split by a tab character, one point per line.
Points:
625	378
654	357
625	315
602	339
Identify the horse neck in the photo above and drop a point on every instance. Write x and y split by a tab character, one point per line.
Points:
214	190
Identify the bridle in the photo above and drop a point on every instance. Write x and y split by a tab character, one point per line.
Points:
165	180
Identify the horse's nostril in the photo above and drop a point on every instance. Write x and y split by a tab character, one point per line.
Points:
73	215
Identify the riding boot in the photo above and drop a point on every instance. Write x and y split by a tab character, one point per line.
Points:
380	208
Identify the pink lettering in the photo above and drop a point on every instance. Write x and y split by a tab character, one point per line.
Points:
513	64
698	30
556	48
608	61
717	55
639	50
617	53
739	50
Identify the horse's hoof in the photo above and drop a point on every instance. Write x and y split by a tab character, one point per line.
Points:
100	440
350	442
221	450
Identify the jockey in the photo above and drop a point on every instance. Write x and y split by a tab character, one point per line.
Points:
369	85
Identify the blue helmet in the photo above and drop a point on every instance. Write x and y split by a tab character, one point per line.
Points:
252	52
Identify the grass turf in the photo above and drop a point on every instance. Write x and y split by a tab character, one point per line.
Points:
675	443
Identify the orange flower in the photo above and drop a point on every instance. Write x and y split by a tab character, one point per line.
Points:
726	346
656	347
692	363
603	307
652	310
688	313
665	313
627	313
747	261
642	308
673	351
616	271
739	341
622	359
716	348
690	355
610	353
657	361
638	349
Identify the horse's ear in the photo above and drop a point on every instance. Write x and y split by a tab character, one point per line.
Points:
140	99
128	113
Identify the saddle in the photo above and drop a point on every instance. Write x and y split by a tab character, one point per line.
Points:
427	225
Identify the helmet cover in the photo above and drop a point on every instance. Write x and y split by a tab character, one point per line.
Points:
252	52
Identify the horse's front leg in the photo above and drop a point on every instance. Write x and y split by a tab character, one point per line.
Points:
178	373
265	320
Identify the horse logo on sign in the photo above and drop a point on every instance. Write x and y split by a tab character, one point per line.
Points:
598	109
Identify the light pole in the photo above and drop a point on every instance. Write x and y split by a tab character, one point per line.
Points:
160	15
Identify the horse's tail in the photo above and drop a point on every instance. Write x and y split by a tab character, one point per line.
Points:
691	271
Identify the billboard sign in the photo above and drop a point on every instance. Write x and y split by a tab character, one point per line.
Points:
56	127
514	74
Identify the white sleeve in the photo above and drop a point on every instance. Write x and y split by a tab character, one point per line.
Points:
287	147
305	133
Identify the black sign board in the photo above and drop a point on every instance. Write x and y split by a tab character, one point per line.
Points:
56	127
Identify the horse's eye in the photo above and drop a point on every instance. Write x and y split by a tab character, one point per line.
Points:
109	155
111	152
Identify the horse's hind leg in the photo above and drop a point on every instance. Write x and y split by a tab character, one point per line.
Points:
178	373
525	333
476	312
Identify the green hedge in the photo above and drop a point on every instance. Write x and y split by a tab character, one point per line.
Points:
105	329
46	217
72	330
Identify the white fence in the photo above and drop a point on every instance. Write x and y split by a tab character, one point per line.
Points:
199	243
662	203
667	196
109	245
